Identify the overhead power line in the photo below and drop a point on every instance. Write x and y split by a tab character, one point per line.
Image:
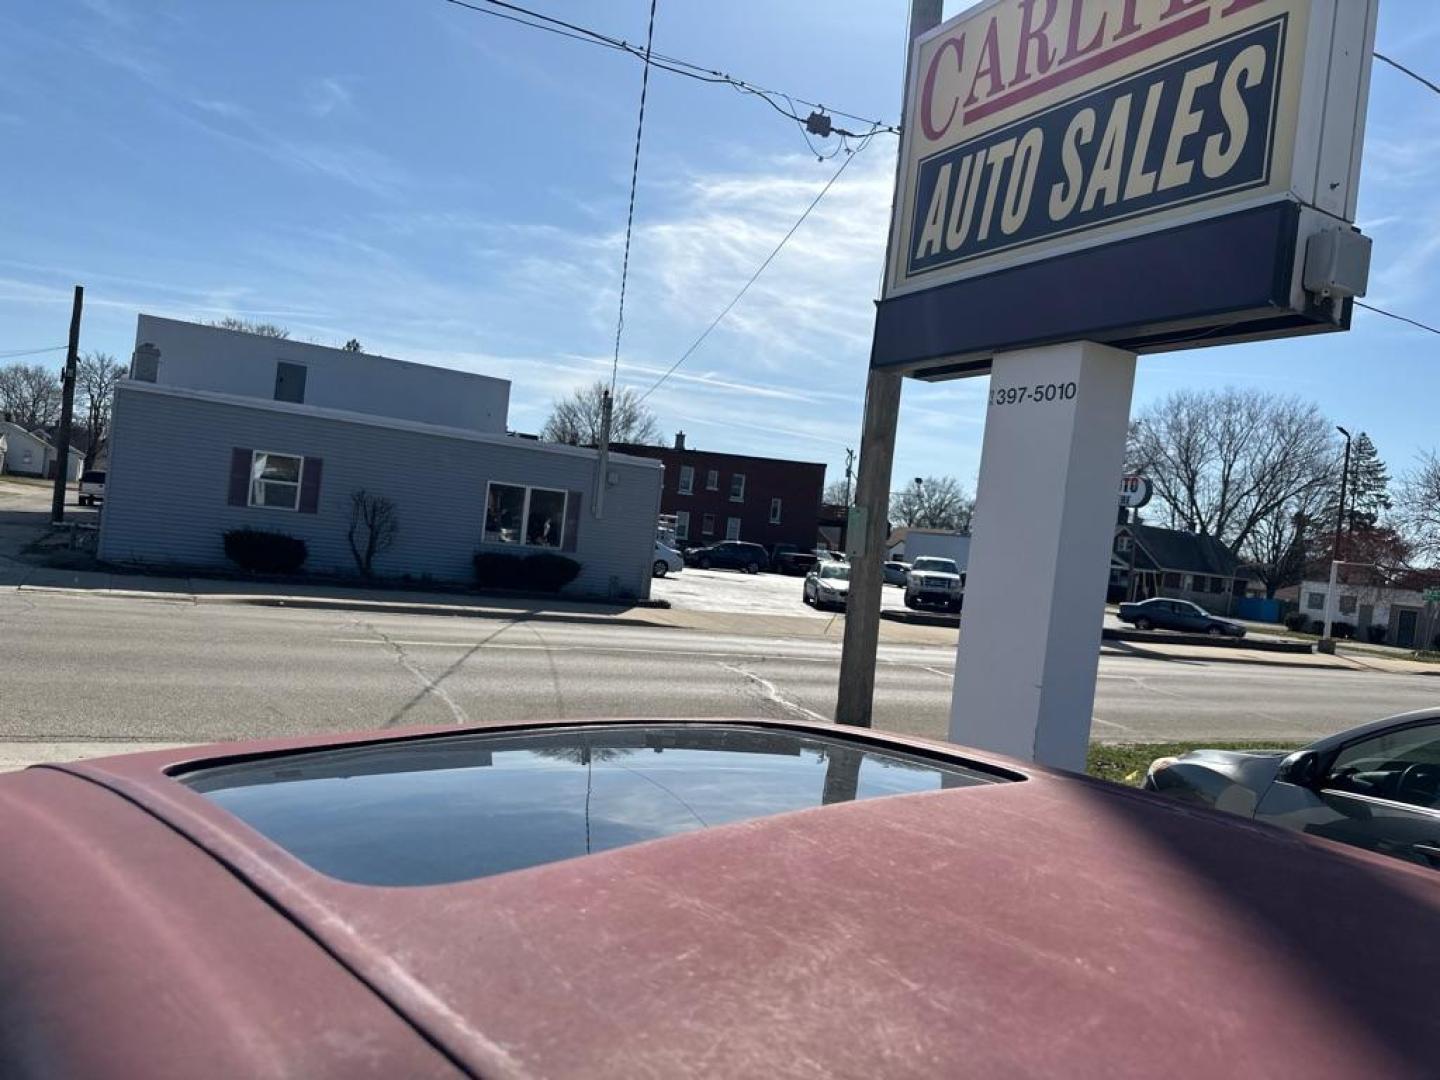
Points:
634	179
31	352
1397	318
1401	67
502	9
758	270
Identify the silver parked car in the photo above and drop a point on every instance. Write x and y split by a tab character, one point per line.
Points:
1376	787
896	573
828	585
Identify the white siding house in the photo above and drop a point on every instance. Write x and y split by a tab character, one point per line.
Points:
189	463
30	454
173	353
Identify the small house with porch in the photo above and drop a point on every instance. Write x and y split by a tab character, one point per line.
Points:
1148	561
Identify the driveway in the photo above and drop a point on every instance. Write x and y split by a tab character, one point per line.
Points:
25	514
693	589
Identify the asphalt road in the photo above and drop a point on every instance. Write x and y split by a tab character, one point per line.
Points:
82	672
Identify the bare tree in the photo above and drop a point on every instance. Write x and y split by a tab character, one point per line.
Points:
249	326
353	345
934	502
1281	544
374	523
30	395
96	379
1225	461
1417	510
837	493
576	419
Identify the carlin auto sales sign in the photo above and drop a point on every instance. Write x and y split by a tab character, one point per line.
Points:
1039	125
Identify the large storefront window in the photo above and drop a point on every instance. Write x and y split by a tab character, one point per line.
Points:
515	514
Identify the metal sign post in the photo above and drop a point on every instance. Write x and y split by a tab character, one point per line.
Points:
1080	183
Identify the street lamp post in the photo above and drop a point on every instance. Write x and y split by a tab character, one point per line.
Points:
1327	643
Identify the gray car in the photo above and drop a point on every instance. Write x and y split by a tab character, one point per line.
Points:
896	573
1376	787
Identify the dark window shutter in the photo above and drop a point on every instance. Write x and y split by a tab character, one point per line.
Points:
240	459
310	485
572	521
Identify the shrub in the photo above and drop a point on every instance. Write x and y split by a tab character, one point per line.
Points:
1297	622
545	572
1375	633
496	569
1341	630
263	552
541	571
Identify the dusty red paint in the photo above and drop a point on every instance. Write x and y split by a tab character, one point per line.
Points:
1056	926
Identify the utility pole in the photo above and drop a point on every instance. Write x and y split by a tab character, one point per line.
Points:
849	471
865	536
1327	643
67	409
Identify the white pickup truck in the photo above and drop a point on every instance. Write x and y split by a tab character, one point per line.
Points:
92	488
935	583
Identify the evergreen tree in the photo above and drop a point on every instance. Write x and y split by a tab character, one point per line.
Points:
1368	494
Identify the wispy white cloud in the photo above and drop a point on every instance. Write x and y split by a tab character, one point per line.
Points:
325	95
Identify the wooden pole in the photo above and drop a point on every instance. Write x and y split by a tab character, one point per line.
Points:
67	409
855	698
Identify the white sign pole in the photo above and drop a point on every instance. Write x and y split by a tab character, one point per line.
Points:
1044	525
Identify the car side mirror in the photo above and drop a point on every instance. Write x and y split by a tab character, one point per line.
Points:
1301	768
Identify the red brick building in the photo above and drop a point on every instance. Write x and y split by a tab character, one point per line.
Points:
716	496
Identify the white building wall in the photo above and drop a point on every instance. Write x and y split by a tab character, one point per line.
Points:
167	492
233	362
25	455
940	545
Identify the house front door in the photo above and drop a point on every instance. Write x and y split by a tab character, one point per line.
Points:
1405	628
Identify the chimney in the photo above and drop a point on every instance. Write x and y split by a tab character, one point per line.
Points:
145	363
679	440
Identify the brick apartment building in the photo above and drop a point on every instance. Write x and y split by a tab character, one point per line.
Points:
716	496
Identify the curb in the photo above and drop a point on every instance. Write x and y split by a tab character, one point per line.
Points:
321	603
1204	641
1125	648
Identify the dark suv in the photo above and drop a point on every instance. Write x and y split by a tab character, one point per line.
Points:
729	555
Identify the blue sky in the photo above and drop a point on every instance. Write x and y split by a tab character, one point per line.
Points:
451	188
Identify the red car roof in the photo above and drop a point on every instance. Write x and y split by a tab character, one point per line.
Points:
1057	926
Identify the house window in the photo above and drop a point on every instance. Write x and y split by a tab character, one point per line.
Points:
530	516
1315	601
774	511
1123	543
708	525
687	479
682	524
732	528
1170	581
275	480
289	382
737	487
712	480
1217	584
1347	604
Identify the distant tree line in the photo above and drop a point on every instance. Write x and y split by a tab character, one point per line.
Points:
1261	472
30	397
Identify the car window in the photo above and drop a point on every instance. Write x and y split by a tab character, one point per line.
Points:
1401	765
466	806
836	570
938	566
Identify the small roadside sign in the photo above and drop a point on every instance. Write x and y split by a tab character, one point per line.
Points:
1432	596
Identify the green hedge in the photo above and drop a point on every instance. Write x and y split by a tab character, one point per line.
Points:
540	572
263	552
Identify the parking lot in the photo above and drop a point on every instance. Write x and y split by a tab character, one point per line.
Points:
755	594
